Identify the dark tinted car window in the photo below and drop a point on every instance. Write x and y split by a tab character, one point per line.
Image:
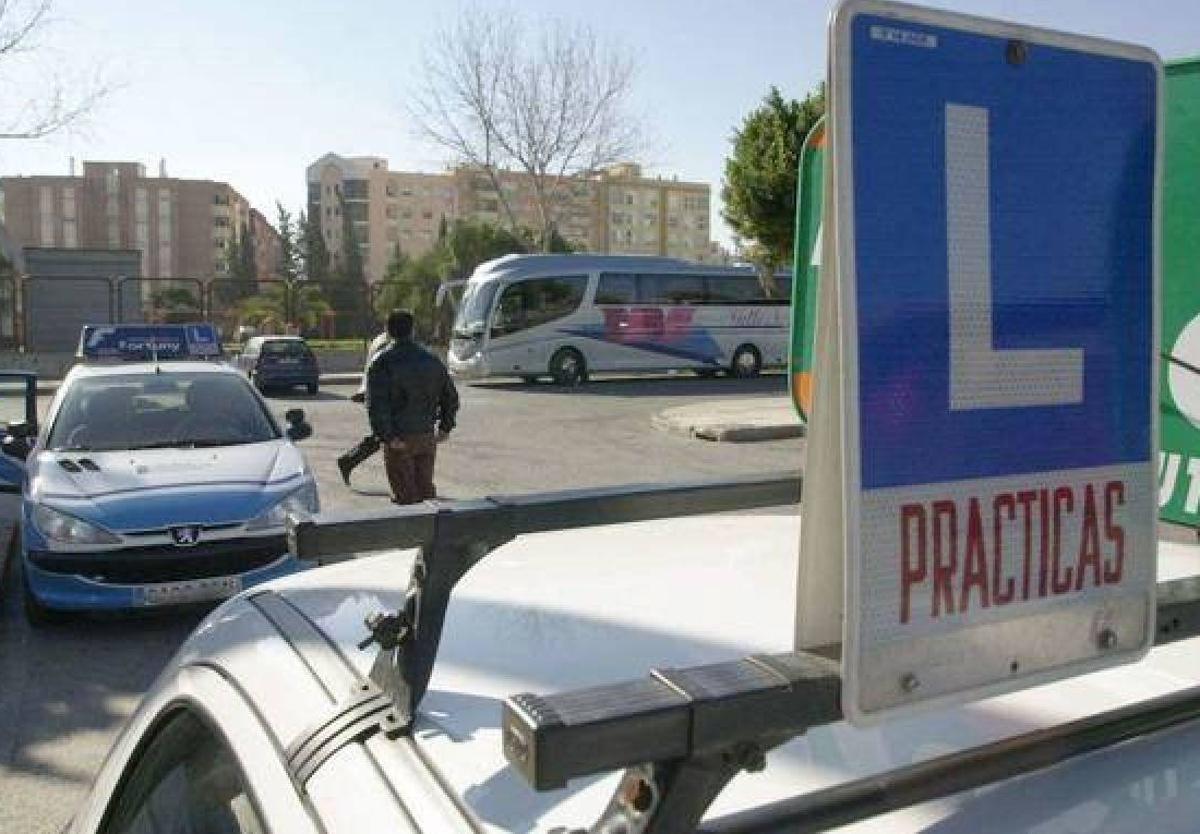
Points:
286	347
184	782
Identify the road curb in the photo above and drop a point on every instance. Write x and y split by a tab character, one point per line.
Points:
728	432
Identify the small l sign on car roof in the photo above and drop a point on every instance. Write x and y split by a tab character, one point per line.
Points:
995	195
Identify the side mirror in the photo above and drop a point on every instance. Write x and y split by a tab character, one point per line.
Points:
16	447
22	429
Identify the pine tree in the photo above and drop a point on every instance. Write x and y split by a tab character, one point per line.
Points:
248	258
761	175
289	246
315	254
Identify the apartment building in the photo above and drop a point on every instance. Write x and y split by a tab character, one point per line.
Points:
645	216
619	211
380	208
181	227
268	246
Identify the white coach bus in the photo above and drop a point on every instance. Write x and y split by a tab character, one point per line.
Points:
565	316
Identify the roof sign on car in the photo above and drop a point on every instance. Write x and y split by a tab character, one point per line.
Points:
996	202
149	342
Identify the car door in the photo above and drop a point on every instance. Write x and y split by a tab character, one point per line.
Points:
18	430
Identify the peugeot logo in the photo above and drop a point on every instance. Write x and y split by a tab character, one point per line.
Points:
185	536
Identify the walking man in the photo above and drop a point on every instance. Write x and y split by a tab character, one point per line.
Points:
369	445
409	392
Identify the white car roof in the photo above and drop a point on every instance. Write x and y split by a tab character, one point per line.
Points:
95	369
569	609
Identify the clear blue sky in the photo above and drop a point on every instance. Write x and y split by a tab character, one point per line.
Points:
252	92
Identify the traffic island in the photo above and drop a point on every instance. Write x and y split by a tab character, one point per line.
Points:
733	421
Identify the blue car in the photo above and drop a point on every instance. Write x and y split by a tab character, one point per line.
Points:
280	362
152	483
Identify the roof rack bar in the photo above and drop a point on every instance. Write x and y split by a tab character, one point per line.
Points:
454	536
335	537
329	538
957	772
673	714
682	734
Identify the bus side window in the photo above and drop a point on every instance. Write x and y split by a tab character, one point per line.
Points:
530	303
734	289
616	288
673	289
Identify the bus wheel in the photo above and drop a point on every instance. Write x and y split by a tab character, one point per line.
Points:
747	362
567	367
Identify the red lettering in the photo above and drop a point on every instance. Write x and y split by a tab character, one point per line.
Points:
1044	567
1003	591
945	556
975	561
1114	496
1089	543
911	516
1064	501
1026	499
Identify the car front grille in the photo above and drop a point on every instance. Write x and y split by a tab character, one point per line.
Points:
165	563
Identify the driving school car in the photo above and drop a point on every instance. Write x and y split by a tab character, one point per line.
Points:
155	480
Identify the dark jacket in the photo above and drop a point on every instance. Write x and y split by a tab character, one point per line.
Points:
408	391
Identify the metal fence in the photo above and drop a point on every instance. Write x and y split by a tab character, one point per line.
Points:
55	307
10	330
44	312
158	300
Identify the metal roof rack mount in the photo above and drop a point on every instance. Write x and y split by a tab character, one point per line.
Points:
455	536
682	734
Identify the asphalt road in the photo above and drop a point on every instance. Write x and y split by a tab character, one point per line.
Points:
65	691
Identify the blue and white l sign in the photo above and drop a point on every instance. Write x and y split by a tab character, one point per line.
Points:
996	200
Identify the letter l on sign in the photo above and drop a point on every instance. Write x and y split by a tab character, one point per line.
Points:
980	375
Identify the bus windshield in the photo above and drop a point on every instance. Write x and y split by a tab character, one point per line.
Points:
473	311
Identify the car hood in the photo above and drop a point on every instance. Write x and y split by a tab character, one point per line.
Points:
148	488
572	609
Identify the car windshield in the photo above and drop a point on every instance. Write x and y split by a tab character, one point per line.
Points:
473	311
286	348
166	410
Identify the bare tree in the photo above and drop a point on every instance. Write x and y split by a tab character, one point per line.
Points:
550	103
49	103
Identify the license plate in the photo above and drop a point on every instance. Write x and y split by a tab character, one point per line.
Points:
289	361
191	590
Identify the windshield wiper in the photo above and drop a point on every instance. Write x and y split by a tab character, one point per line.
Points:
162	444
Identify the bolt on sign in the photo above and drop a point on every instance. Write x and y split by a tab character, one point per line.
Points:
1179	411
807	266
991	356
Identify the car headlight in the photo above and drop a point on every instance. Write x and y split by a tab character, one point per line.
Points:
60	527
299	502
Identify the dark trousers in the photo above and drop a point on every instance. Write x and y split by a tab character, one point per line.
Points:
366	447
409	461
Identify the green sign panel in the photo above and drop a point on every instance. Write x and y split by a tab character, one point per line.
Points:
1179	377
807	266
